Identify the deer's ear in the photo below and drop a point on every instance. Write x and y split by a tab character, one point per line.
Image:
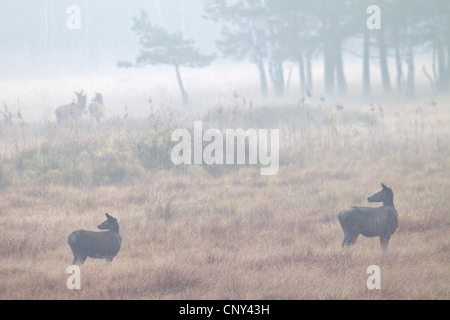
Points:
108	216
383	186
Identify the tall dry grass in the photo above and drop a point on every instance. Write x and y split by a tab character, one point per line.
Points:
193	233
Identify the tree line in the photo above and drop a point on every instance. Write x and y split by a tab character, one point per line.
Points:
269	33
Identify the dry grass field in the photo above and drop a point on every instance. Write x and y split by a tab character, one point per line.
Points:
225	233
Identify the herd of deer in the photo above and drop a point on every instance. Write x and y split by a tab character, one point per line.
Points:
75	110
379	222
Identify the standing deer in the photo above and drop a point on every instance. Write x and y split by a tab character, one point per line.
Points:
97	108
97	245
73	111
371	222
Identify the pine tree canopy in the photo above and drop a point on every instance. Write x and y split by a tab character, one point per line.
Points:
159	46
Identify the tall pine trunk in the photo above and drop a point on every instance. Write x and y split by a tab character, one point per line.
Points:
309	76
398	58
184	95
301	70
447	78
410	77
339	66
277	77
383	62
257	55
262	77
443	68
366	64
334	68
328	59
398	65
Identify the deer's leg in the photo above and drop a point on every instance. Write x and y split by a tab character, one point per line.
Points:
78	259
384	241
353	238
75	259
346	238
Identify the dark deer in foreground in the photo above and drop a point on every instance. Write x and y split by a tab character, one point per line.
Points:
97	108
73	111
98	245
371	222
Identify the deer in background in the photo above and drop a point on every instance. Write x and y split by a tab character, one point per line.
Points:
73	111
7	115
97	108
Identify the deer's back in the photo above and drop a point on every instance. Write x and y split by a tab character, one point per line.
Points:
371	222
95	244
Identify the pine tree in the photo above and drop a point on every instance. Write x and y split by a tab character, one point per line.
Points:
159	46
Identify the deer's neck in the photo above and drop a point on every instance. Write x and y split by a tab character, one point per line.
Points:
115	230
388	203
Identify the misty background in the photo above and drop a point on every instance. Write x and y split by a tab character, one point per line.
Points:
263	50
36	40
